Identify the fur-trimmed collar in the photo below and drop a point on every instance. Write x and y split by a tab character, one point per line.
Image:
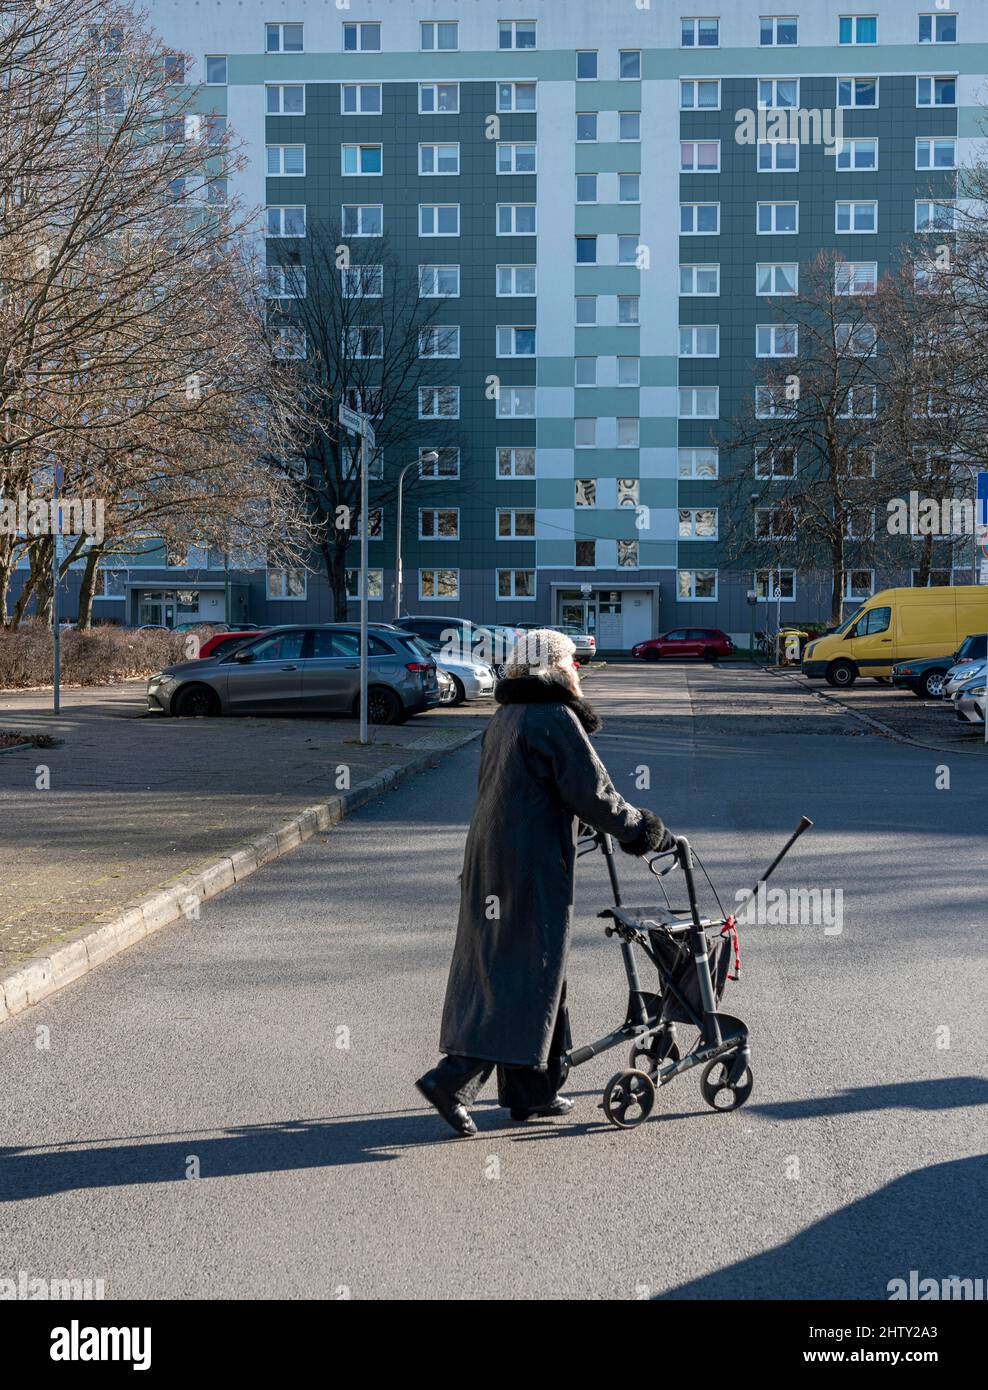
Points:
529	690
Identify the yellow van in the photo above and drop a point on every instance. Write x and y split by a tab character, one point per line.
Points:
897	625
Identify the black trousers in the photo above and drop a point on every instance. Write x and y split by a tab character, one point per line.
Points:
518	1087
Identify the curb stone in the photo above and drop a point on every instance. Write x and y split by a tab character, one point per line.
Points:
34	979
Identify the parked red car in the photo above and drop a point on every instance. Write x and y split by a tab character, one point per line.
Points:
707	643
223	643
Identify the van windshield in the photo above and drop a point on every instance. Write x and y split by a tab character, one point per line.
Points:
842	627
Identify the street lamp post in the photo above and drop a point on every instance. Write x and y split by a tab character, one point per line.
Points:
430	457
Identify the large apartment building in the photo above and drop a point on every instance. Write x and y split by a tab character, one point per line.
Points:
568	178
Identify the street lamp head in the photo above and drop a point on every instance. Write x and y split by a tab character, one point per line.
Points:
429	457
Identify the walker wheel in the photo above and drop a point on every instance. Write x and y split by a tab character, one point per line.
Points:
718	1092
650	1057
629	1098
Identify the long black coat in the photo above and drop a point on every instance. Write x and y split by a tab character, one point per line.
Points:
538	776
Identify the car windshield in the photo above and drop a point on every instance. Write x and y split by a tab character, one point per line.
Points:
972	646
420	646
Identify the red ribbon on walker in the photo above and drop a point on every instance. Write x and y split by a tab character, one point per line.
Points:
730	929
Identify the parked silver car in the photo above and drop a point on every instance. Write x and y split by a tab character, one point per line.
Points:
457	638
305	670
960	675
969	700
584	642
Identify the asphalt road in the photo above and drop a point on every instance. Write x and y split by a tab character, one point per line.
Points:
270	1048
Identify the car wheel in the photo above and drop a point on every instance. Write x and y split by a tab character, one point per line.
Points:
459	694
197	702
931	685
841	674
383	706
651	654
710	654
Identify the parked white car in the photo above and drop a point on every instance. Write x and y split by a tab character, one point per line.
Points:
472	679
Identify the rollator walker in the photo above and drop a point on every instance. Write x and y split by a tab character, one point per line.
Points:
692	955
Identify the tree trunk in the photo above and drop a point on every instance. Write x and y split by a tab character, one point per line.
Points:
840	574
337	575
925	563
88	590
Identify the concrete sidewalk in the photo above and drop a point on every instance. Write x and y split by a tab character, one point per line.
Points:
130	802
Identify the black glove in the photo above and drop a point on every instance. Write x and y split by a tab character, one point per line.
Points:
652	836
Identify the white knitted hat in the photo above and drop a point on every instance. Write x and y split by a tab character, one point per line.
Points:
540	653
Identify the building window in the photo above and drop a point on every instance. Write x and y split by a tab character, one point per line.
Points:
936	217
698	523
772	403
627	554
778	93
585	492
516	219
439	523
285	99
439	341
700	33
586	554
586	250
515	158
283	38
628	305
628	431
445	465
516	33
778	31
516	463
775	523
439	37
699	156
285	161
439	98
938	152
775	584
699	219
857	91
699	94
286	583
586	127
375	585
375	525
778	157
857	154
778	219
856	277
286	282
776	339
629	371
699	402
439	282
856	217
439	584
938	28
777	278
857	29
516	402
362	37
285	221
362	282
586	188
699	340
363	219
439	402
630	125
586	310
703	463
856	339
515	281
515	342
360	160
860	403
516	584
439	219
859	584
515	523
516	96
627	492
585	432
776	463
630	65
360	99
697	584
629	188
439	159
216	69
586	65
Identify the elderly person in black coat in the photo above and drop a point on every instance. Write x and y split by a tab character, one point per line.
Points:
506	994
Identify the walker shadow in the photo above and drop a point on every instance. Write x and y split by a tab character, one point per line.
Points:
924	1221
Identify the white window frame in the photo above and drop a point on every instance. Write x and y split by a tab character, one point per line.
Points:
696	21
513	329
281	173
511	27
436	392
514	218
512	513
849	413
514	596
436	146
435	571
853	267
216	58
933	41
856	595
276	275
281	88
850	146
353	336
774	266
790	519
936	205
375	585
360	88
436	208
933	104
775	20
360	146
696	83
514	146
694	267
630	139
775	204
764	583
286	597
638	193
511	394
514	293
692	393
513	107
512	450
692	534
432	471
587	426
693	147
435	25
932	141
775	104
587	53
282	209
848	331
346	278
278	27
586	202
772	473
855	80
688	454
361	208
774	146
694	330
435	278
637	372
781	407
435	512
633	425
773	330
435	328
693	596
587	139
853	204
360	25
855	42
437	110
695	206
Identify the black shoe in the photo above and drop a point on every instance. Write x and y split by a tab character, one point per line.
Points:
562	1105
457	1116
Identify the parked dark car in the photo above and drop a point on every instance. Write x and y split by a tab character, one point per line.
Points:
926	678
707	643
305	670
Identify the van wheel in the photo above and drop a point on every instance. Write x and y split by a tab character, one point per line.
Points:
841	674
197	702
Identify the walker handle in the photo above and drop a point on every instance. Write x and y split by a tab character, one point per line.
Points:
804	824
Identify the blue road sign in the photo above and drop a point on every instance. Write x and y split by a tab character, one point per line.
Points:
983	499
